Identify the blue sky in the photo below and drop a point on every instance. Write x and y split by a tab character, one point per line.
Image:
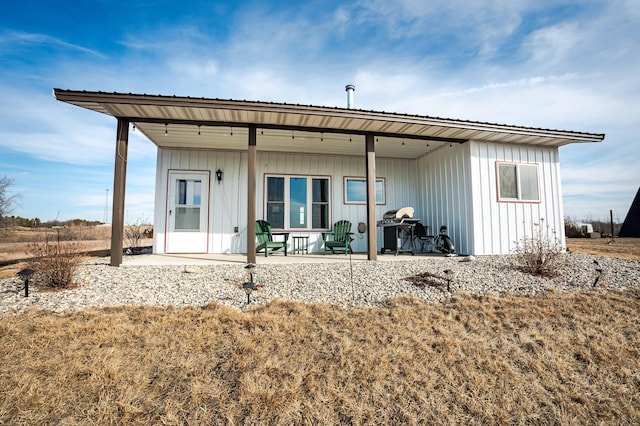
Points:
570	65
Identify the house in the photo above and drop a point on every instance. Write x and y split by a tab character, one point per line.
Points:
222	164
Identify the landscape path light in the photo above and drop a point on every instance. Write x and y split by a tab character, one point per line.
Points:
449	274
600	274
249	286
25	274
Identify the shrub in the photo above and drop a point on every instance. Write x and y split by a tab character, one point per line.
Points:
135	232
540	253
55	264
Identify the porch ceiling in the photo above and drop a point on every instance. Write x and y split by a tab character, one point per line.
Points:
223	124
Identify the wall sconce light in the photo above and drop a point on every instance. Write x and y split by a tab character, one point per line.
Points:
166	129
219	176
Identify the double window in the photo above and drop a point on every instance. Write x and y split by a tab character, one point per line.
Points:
518	182
297	202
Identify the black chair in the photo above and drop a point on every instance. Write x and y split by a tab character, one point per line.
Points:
420	236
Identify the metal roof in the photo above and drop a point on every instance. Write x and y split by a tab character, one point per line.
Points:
187	122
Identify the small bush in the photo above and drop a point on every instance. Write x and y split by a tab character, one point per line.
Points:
136	231
55	264
539	254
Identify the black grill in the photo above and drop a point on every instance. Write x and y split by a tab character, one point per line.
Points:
397	227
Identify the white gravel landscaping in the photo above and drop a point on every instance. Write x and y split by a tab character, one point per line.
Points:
360	283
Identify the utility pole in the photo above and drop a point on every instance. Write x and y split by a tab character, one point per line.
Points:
611	219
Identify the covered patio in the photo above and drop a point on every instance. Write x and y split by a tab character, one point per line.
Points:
196	124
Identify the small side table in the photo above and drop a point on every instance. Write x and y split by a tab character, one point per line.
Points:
300	244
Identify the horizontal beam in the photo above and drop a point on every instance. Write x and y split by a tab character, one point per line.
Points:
236	125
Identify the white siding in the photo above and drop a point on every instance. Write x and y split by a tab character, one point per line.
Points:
397	173
444	189
498	226
229	199
453	185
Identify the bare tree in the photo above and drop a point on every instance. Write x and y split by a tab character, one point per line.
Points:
135	231
7	200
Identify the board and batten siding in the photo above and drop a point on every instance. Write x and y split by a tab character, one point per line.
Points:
499	226
228	200
398	175
444	191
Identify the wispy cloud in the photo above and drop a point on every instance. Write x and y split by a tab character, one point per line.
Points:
12	39
551	64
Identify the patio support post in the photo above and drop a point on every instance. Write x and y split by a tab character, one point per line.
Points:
119	183
251	196
372	243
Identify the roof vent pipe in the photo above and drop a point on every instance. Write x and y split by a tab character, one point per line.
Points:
350	88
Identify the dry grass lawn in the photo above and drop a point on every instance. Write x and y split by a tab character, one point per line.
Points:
16	244
625	248
553	359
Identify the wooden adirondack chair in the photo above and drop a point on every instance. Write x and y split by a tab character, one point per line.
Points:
265	238
339	239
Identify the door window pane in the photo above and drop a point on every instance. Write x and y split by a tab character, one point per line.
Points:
188	192
181	192
187	218
197	192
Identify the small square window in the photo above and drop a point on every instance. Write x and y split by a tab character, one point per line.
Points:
355	190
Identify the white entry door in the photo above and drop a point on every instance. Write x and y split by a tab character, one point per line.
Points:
187	212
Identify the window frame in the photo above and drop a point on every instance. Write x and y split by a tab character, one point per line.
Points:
345	193
518	182
287	201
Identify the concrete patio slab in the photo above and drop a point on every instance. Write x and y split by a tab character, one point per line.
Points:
213	259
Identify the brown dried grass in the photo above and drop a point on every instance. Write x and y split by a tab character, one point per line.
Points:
624	248
553	359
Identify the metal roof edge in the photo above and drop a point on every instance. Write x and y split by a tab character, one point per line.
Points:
83	96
